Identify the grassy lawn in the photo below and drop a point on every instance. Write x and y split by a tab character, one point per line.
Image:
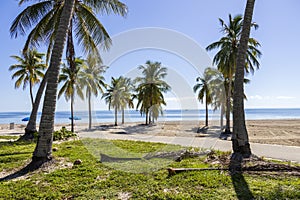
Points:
136	179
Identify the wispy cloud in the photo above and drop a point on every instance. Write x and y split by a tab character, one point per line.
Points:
180	98
285	97
259	97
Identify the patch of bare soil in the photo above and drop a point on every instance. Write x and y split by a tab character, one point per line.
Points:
48	167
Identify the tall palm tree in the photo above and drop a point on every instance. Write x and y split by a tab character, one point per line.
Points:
240	140
116	96
151	87
29	70
90	78
204	91
225	58
71	85
44	16
43	149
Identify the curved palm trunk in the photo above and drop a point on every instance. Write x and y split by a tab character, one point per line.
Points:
228	106
116	117
43	149
72	113
31	125
90	109
31	94
240	141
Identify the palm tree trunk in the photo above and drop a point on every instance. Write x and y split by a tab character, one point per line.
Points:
116	117
31	125
123	116
70	51
43	149
222	117
240	141
206	111
153	118
72	114
147	112
90	109
151	103
228	106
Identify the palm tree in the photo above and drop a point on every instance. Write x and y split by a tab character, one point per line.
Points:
44	17
240	140
127	95
71	85
225	58
216	84
43	149
29	70
204	91
151	87
90	78
142	95
117	96
218	87
31	125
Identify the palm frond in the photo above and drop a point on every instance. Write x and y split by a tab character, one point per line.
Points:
28	17
108	6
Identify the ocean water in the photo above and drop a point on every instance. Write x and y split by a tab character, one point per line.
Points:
103	116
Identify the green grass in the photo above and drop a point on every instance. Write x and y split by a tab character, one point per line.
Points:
8	137
140	179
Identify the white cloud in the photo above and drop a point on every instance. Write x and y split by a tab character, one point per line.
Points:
258	97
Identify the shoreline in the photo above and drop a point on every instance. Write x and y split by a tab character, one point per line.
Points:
267	131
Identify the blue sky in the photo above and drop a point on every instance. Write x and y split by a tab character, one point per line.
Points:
274	85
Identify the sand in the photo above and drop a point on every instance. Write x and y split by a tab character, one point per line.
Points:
283	132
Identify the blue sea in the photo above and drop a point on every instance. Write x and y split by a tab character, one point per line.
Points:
103	116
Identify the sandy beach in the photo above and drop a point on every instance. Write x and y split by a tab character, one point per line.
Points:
283	132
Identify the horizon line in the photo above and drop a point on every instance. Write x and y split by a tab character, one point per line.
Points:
258	108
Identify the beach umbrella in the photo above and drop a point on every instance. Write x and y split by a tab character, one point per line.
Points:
26	119
75	118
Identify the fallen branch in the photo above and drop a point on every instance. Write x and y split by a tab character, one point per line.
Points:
272	167
259	168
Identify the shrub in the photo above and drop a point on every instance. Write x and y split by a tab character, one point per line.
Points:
63	134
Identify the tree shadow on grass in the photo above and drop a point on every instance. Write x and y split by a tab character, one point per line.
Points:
241	187
31	167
